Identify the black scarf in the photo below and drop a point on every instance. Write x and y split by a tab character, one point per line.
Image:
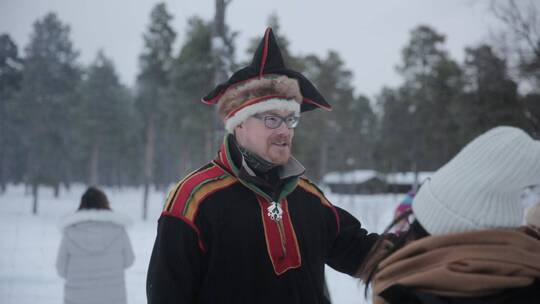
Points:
254	161
266	173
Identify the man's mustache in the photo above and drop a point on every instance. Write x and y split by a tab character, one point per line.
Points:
281	138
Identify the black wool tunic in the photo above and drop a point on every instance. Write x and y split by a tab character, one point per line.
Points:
217	244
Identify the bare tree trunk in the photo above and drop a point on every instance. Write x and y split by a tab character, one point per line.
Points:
33	178
3	165
416	182
3	144
182	165
148	161
35	189
219	48
3	173
323	158
94	162
145	200
219	42
187	160
56	187
209	146
392	182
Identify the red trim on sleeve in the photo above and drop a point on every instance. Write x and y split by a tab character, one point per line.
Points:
191	224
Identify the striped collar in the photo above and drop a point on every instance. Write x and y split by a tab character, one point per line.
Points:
235	165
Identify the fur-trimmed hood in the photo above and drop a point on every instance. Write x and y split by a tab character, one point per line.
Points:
96	216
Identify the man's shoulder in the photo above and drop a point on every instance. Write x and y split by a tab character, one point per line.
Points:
185	198
307	185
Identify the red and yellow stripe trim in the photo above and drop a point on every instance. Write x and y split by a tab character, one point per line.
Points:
173	195
309	187
206	189
184	201
195	187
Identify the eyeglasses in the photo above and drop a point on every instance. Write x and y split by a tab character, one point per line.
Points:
274	121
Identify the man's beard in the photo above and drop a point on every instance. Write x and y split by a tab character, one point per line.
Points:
256	162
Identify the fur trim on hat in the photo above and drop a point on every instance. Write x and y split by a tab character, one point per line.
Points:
100	215
268	85
260	107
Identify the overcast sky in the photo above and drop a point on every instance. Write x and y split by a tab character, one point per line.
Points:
369	35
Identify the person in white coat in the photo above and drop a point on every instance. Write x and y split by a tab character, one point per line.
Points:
94	252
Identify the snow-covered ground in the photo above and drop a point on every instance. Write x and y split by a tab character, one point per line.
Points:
29	243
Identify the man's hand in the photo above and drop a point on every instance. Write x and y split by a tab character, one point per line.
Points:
378	252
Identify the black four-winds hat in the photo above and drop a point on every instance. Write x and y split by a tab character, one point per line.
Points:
264	85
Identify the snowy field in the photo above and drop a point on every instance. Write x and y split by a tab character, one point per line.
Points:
28	243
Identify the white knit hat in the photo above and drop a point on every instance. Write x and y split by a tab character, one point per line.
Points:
481	187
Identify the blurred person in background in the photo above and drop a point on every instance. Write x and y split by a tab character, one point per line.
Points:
403	208
94	252
467	243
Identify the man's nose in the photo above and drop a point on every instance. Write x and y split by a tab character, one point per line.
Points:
283	129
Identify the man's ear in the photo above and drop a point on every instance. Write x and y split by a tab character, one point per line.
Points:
240	126
237	129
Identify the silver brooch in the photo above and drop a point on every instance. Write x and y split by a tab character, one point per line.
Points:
274	211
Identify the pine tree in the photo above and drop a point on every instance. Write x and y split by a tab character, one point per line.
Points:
393	149
10	80
357	141
190	120
47	97
222	45
491	97
152	87
340	139
104	123
432	83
